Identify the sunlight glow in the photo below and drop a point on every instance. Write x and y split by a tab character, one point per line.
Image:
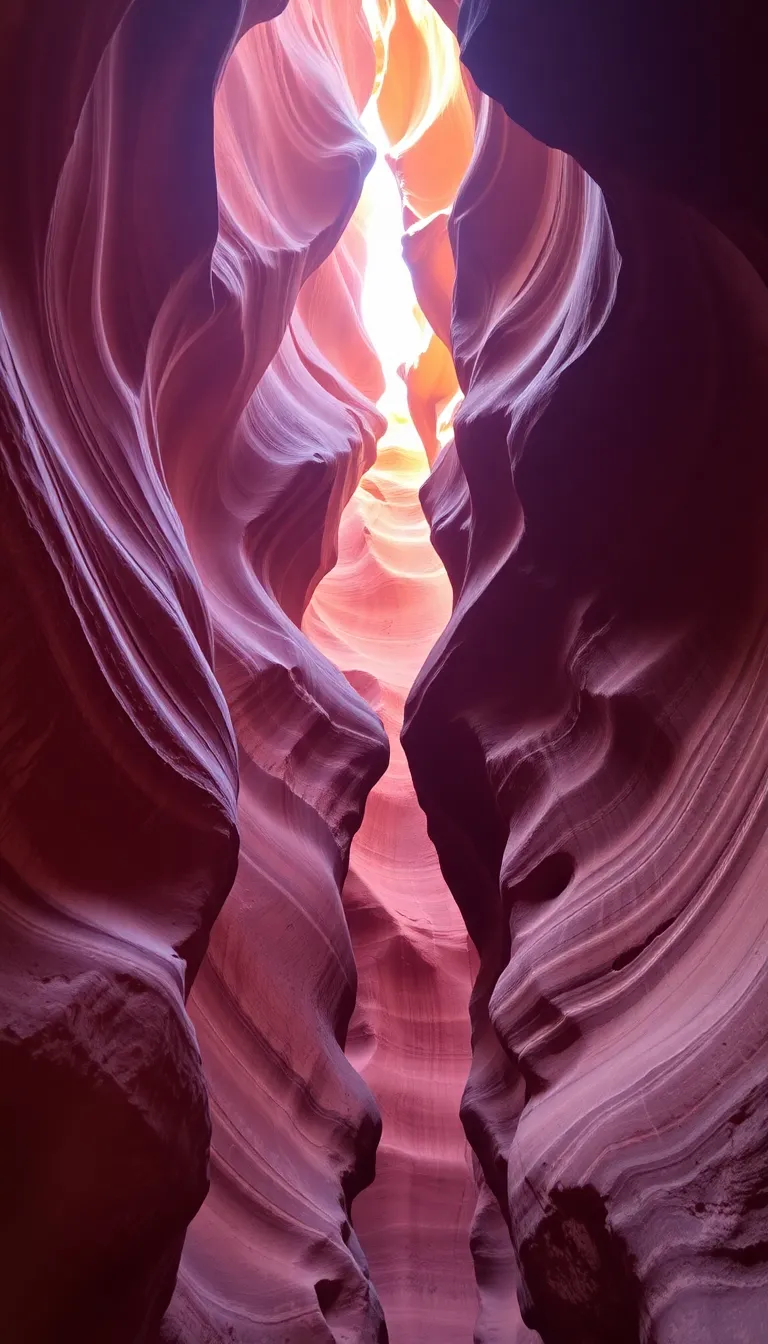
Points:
401	121
393	320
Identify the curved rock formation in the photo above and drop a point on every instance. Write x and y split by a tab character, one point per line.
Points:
118	840
670	94
588	736
216	594
376	616
260	463
164	415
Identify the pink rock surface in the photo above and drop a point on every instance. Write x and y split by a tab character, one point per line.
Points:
376	616
260	464
170	501
210	997
588	736
119	769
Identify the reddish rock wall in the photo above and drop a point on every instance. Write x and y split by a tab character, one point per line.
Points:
588	736
169	501
267	428
119	770
187	404
376	616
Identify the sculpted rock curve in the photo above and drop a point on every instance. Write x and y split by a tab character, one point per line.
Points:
602	685
152	341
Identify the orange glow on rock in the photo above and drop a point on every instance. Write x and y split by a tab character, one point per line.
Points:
376	615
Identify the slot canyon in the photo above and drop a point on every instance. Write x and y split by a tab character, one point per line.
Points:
384	700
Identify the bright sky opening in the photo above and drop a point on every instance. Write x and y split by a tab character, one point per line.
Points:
389	306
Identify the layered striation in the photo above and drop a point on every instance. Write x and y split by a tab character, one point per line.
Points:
587	738
217	589
376	615
119	770
181	430
268	423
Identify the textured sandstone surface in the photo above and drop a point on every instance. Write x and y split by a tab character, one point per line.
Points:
119	768
166	401
602	682
260	460
189	402
247	936
376	616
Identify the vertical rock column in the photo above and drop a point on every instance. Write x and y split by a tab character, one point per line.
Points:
118	839
376	616
266	420
588	736
176	454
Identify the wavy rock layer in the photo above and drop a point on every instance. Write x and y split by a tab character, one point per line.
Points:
118	836
588	737
260	464
180	434
188	400
376	615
